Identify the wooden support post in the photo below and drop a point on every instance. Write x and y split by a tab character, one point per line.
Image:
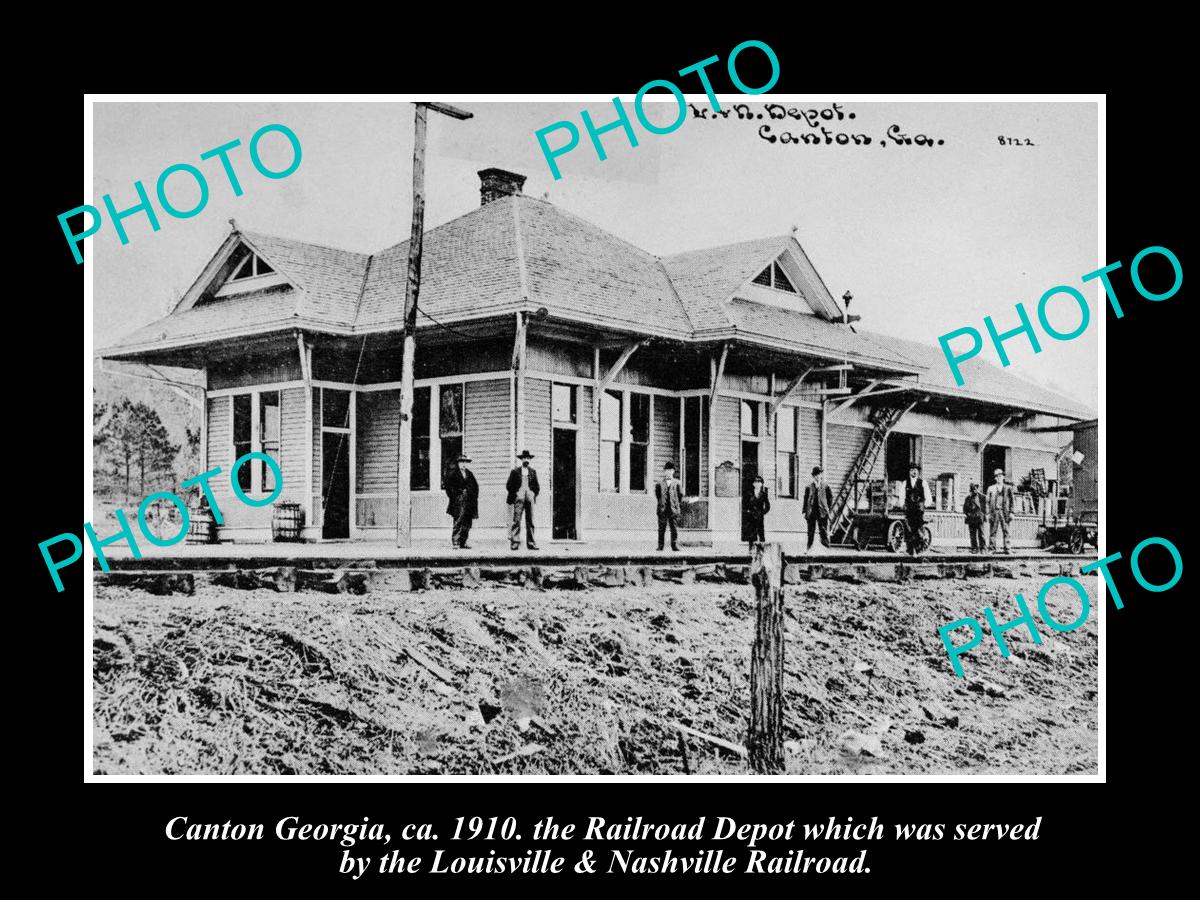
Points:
991	434
765	744
824	416
204	421
518	365
412	288
602	383
777	401
716	374
770	415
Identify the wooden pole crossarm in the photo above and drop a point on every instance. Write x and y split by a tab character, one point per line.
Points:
777	402
991	434
718	372
447	110
610	376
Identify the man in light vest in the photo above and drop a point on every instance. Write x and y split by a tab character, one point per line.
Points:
1000	509
523	490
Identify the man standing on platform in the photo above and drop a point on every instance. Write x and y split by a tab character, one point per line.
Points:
523	491
818	500
463	492
757	505
973	509
1000	509
916	498
670	505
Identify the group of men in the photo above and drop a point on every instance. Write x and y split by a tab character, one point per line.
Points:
462	490
995	507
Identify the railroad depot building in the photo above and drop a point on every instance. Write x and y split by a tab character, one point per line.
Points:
540	330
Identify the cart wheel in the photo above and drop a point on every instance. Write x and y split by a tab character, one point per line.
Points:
1077	541
163	519
895	536
926	540
860	537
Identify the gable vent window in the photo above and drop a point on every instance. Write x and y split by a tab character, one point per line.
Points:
772	276
781	280
252	266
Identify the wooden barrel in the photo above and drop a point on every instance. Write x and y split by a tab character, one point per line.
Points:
287	521
203	530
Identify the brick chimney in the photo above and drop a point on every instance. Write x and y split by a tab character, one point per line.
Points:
497	183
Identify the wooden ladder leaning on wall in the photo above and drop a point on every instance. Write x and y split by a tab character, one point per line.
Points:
841	515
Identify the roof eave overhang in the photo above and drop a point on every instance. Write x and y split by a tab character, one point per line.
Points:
991	399
799	347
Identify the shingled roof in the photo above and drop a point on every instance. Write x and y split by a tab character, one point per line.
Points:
522	253
982	380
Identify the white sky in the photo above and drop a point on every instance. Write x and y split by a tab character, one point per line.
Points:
927	239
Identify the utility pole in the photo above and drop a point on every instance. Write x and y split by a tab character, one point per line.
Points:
411	290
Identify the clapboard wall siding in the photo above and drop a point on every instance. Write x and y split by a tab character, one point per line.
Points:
727	431
377	441
942	456
1024	461
666	435
843	444
317	506
486	440
587	450
538	441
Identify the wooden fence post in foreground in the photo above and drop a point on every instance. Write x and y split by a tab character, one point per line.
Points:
765	745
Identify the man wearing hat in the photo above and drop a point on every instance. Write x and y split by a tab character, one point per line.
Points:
916	498
973	510
1000	509
670	505
463	492
818	501
757	504
523	490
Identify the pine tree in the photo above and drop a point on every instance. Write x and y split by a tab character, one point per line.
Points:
138	445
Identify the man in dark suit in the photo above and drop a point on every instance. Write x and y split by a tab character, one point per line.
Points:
463	492
916	497
523	491
757	505
975	510
818	501
670	505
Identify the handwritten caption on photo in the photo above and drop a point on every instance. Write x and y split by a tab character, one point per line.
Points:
622	121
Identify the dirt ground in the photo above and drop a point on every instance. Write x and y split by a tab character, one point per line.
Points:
560	681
